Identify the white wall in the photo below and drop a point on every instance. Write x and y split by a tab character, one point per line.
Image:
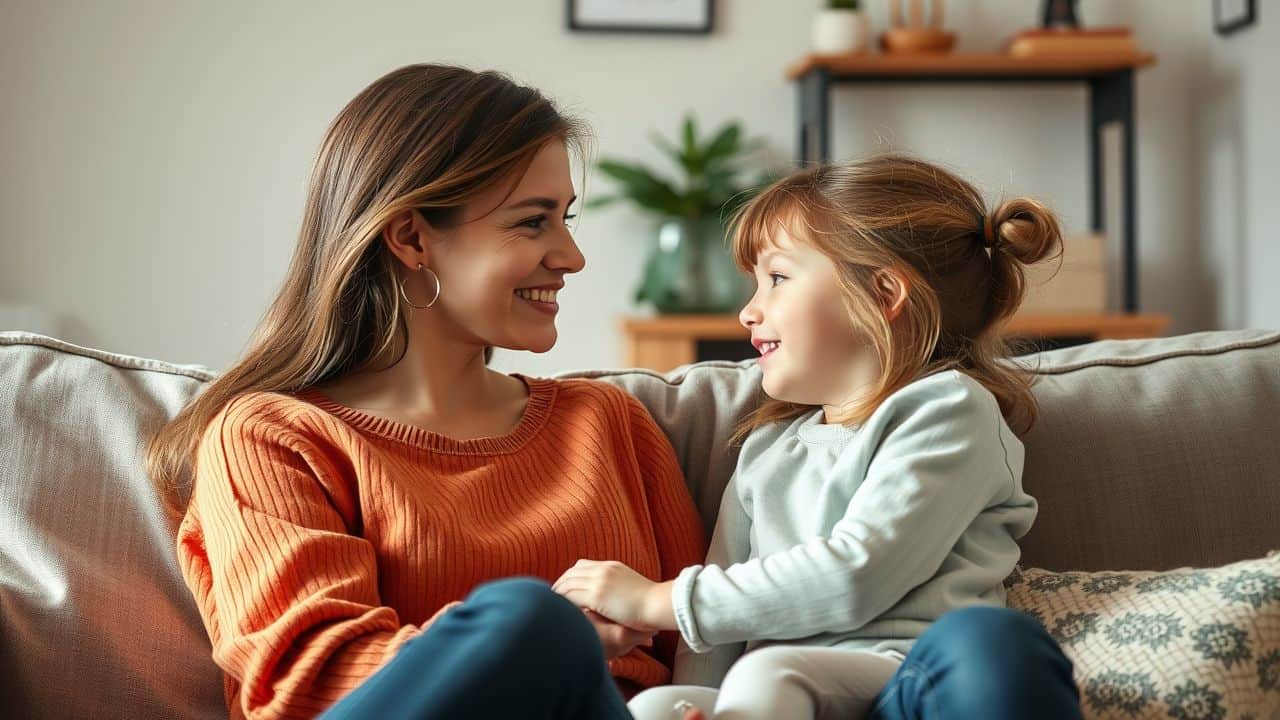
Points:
153	155
1237	155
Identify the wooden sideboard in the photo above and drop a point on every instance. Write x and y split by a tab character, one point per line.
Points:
668	341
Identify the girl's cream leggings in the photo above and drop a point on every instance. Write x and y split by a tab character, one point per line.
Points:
781	681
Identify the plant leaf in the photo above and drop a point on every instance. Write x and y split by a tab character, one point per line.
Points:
638	184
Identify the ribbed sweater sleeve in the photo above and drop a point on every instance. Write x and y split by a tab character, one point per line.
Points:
298	621
677	527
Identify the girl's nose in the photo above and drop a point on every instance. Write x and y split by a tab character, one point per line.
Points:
750	315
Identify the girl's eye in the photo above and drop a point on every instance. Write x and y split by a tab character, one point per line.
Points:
777	278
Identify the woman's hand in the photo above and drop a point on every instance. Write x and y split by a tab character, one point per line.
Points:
618	640
619	593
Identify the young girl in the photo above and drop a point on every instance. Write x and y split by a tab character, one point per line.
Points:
879	486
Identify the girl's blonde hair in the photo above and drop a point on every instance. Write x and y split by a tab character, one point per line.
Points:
424	137
962	265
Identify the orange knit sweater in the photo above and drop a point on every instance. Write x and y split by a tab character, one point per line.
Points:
320	538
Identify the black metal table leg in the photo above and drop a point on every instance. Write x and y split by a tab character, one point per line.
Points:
1111	100
815	116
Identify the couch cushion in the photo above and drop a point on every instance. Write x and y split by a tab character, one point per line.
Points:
1155	454
95	620
1187	643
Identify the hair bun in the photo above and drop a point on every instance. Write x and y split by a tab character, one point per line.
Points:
1026	230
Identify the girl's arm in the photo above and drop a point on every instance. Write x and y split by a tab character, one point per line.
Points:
940	463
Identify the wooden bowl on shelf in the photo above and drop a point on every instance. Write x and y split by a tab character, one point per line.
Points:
907	40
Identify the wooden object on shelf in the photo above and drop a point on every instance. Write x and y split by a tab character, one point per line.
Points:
968	64
914	36
666	342
1075	284
1091	42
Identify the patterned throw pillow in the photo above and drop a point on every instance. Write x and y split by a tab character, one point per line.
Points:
1188	644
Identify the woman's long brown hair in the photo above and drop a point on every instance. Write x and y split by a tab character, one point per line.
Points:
425	137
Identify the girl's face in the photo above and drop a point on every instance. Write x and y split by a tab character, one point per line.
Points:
810	352
502	264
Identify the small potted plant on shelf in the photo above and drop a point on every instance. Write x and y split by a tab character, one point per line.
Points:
839	27
688	269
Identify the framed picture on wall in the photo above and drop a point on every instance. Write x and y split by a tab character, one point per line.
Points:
1232	15
651	16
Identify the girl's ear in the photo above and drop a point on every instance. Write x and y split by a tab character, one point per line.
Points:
406	235
891	290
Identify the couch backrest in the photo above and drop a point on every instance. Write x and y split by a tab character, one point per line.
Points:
1149	454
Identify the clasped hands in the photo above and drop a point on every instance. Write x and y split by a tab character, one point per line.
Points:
626	608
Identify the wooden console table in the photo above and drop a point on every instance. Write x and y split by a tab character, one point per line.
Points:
668	341
1109	79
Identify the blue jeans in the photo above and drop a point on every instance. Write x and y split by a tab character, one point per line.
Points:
513	649
981	662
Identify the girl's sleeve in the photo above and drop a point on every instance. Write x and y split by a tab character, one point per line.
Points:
288	594
940	462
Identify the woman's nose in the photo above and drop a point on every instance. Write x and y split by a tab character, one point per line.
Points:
566	256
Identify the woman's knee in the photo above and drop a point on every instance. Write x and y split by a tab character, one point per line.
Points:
993	636
996	657
527	616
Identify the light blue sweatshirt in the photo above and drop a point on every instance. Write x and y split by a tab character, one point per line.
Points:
858	537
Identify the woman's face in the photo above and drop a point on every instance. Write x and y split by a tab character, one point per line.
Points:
502	263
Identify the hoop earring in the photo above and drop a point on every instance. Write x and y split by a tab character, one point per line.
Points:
434	298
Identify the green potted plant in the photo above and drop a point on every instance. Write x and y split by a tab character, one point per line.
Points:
689	269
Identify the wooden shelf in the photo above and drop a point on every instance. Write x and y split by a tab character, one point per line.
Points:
668	341
866	64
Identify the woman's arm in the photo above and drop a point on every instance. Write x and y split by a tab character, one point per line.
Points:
677	527
288	593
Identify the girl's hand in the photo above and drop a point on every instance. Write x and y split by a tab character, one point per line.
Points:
619	593
618	640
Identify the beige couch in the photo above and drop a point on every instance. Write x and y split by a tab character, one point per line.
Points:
1149	454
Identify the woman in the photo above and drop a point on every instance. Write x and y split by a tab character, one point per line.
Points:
361	470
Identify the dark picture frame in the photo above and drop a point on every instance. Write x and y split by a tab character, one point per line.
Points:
581	20
1227	19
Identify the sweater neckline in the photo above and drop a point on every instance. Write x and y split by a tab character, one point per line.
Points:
542	394
813	431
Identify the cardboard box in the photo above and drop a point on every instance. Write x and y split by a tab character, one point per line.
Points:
1078	286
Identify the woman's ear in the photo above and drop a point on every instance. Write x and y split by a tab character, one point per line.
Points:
406	235
891	290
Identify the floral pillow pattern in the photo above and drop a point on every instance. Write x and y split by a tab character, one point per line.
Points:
1187	644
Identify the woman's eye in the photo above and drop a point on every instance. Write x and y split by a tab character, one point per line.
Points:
777	278
539	222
